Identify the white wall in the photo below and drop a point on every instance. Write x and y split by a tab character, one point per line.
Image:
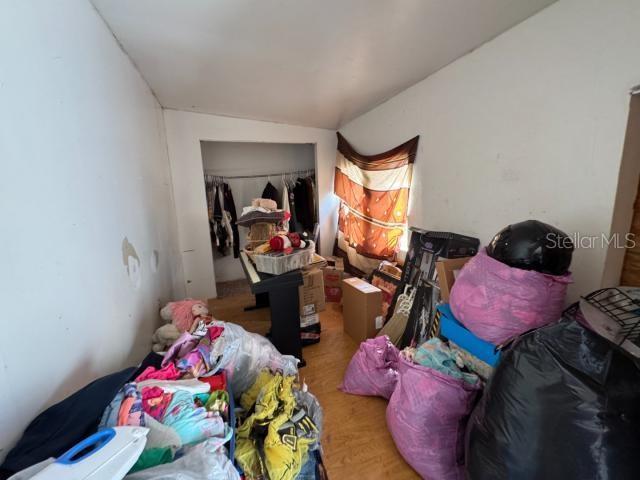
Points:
250	158
84	165
185	130
530	125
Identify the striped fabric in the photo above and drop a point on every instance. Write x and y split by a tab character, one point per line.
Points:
374	194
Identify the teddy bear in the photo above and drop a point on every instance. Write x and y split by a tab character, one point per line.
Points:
183	316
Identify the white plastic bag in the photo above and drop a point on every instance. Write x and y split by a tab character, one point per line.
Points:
244	355
204	461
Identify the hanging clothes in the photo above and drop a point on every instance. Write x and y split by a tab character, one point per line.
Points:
270	192
311	194
226	219
285	205
222	213
230	206
304	205
219	229
210	190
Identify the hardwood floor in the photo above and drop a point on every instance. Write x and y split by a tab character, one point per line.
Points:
355	440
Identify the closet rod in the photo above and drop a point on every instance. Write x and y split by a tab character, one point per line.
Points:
297	172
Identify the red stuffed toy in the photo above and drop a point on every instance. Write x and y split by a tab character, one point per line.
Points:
286	243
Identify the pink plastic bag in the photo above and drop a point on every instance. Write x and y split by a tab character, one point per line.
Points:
498	302
373	369
426	416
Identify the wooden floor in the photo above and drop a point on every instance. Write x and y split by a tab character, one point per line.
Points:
355	440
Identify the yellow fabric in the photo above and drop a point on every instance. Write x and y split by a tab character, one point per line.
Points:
285	446
248	458
285	451
265	407
266	402
249	397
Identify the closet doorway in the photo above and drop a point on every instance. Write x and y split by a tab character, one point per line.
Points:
247	168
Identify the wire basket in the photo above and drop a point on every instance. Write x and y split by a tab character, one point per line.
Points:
622	308
613	313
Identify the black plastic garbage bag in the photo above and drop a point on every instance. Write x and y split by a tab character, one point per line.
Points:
562	404
533	245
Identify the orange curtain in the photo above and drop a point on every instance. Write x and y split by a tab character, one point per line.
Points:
374	194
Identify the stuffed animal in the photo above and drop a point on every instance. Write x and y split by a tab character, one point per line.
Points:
184	316
286	242
183	313
164	337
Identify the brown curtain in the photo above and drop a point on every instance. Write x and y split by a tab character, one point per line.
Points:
374	194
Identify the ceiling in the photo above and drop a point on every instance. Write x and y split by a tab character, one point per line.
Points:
305	62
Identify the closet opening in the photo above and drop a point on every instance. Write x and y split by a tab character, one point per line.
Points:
235	173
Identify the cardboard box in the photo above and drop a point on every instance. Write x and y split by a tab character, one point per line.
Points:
333	272
311	293
333	275
361	309
447	269
316	262
390	269
308	320
333	294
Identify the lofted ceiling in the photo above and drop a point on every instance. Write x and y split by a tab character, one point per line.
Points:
304	62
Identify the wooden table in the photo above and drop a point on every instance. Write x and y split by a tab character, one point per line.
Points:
280	294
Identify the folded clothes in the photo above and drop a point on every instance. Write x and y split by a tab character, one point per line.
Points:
190	385
216	382
193	424
169	372
257	216
155	401
152	458
437	355
265	203
131	412
110	414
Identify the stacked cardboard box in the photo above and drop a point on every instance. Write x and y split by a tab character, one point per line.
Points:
311	295
333	275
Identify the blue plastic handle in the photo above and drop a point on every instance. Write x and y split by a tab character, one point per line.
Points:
91	444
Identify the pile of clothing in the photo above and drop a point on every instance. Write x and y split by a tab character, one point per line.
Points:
436	354
178	413
185	398
279	433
